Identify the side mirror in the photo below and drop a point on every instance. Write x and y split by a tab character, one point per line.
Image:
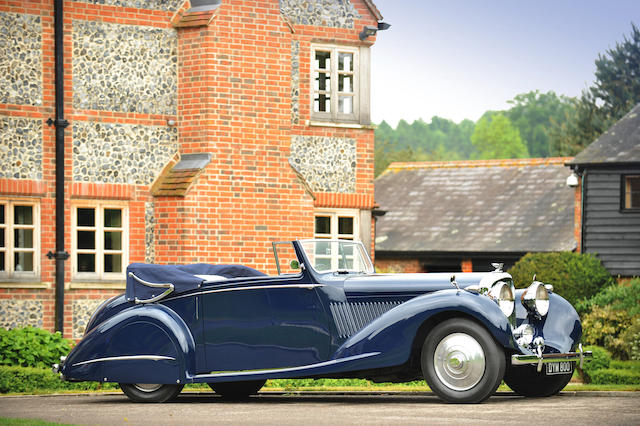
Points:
294	264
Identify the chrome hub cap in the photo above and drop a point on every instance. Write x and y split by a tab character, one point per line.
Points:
459	361
147	387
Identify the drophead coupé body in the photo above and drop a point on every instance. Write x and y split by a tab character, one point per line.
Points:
326	314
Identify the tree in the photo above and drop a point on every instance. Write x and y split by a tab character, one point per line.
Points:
615	91
495	137
533	114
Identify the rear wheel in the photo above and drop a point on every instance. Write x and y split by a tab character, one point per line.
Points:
143	392
237	390
461	362
526	381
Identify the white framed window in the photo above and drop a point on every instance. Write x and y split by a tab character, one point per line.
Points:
339	84
19	239
631	192
99	241
335	224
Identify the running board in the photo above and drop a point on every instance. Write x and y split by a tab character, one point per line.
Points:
326	367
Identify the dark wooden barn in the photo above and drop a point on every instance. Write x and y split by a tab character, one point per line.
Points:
610	176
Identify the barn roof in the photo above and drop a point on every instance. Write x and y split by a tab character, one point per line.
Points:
493	206
618	145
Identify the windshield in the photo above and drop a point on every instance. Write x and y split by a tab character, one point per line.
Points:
337	256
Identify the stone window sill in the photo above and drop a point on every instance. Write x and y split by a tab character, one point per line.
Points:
23	284
341	125
99	285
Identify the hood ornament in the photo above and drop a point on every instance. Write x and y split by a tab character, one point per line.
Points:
498	267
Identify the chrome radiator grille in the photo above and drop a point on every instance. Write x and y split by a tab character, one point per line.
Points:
352	317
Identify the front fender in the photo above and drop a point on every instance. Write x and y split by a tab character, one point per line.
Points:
392	334
141	344
561	327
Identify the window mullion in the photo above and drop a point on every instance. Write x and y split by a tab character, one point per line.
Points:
334	84
99	241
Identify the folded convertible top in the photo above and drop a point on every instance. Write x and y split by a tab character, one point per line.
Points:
142	276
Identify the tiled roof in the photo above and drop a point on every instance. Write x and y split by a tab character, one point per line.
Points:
200	14
178	180
618	145
372	7
476	206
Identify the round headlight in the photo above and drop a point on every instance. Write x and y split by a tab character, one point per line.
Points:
536	299
502	293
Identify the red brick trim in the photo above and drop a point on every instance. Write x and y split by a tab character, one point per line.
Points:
99	191
23	187
351	201
193	19
512	162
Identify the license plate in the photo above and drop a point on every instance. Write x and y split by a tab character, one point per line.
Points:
563	367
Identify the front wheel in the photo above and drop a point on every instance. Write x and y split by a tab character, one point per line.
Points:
139	392
526	381
461	362
237	390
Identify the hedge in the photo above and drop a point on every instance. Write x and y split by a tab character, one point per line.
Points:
615	376
574	276
29	380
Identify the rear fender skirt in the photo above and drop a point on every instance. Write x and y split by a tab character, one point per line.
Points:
393	333
142	344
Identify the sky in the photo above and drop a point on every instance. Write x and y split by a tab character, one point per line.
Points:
459	58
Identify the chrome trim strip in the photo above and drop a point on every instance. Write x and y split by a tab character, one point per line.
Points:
127	358
285	370
549	358
169	288
253	287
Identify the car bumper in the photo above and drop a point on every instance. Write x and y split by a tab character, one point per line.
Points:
579	357
57	368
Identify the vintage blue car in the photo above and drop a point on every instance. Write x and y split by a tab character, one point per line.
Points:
326	314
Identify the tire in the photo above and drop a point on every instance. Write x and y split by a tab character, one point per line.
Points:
138	392
526	381
237	390
461	362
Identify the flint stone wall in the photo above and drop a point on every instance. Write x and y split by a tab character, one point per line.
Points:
324	13
20	313
20	148
82	311
169	5
124	68
327	164
20	59
121	153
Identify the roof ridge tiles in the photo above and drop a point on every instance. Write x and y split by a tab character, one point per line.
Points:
511	162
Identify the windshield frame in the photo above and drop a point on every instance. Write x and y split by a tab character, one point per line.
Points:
359	252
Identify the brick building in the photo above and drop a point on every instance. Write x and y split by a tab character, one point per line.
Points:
196	134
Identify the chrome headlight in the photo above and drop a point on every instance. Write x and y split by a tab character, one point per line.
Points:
536	299
503	294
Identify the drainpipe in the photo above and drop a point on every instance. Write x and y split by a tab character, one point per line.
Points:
60	123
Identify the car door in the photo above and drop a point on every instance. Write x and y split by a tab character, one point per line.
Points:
273	322
237	326
300	333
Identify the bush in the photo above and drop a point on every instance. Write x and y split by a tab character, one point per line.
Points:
32	347
611	319
574	276
631	336
601	360
619	297
612	376
29	380
625	365
605	327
